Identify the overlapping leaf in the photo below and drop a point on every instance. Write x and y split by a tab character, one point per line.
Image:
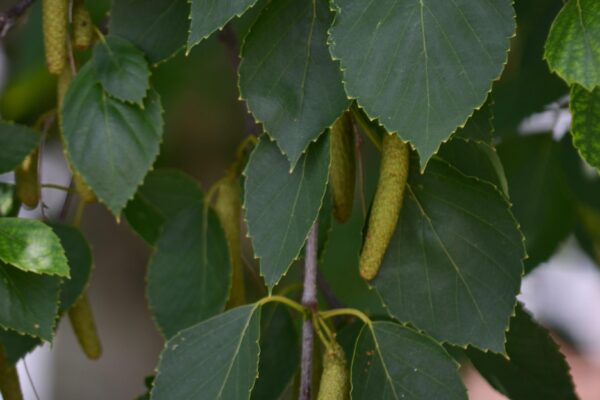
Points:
282	206
453	267
112	144
421	67
585	126
164	194
17	345
31	246
534	369
122	69
287	76
28	301
158	27
16	142
395	362
219	355
209	15
189	273
573	45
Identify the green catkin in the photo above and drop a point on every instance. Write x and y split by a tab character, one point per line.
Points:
83	29
342	169
9	379
228	208
26	177
54	24
334	379
386	204
64	79
84	327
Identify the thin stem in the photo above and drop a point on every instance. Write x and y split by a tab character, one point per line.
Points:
346	311
284	300
78	214
358	141
309	300
318	328
56	186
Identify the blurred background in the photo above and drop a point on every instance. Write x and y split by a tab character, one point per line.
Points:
556	199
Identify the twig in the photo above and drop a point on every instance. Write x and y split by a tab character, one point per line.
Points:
9	17
309	300
228	38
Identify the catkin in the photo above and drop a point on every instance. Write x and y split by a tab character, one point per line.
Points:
84	327
228	208
342	169
9	379
54	23
83	30
26	177
334	379
386	204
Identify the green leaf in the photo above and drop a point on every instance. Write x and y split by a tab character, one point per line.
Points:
28	301
573	45
398	57
79	256
453	267
163	195
189	273
539	193
30	245
209	15
215	359
9	202
395	362
112	144
158	27
279	353
16	142
121	69
535	368
282	206
479	127
585	126
287	76
17	345
476	159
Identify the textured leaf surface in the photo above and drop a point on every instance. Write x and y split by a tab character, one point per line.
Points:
585	126
215	359
30	245
282	206
189	273
158	27
453	268
573	45
287	76
535	369
279	352
122	69
79	256
401	60
28	301
394	362
9	202
16	142
112	144
539	192
209	15
164	194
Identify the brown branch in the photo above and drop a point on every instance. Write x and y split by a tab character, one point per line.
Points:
9	17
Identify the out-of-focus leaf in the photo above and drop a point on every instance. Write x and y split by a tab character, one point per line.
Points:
16	143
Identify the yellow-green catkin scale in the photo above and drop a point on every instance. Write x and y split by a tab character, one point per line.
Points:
83	30
26	177
386	204
9	379
84	327
64	79
334	380
342	169
228	208
54	23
